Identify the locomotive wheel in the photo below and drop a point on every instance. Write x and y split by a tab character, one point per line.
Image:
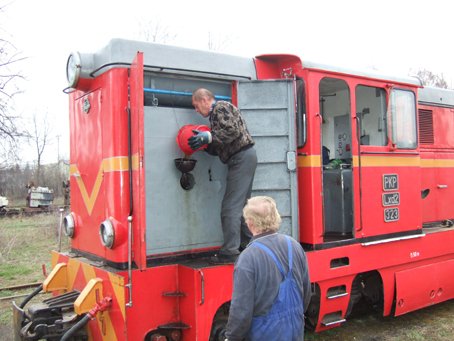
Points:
156	337
218	329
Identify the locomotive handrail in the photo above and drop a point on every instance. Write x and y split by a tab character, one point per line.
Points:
129	284
390	240
358	141
202	287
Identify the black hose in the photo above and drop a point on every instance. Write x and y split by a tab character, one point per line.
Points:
74	329
30	296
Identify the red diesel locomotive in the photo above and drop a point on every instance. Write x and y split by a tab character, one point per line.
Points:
360	165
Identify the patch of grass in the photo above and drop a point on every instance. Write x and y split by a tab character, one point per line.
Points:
13	272
5	317
25	245
6	293
414	335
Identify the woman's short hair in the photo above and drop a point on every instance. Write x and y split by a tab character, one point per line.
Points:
262	211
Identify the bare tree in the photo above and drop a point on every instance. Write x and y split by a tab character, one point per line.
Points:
40	137
9	131
155	32
217	42
428	78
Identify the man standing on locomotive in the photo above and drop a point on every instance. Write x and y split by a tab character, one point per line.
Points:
230	140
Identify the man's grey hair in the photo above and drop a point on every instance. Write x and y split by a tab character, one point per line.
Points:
262	211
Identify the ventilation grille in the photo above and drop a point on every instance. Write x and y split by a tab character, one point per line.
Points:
426	127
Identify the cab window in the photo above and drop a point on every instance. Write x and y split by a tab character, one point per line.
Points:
371	111
403	118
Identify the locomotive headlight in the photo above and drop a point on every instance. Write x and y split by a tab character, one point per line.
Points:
107	234
73	69
68	225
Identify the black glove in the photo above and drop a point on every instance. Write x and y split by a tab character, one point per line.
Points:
199	139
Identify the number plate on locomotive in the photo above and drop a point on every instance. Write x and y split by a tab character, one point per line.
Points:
391	214
390	182
391	199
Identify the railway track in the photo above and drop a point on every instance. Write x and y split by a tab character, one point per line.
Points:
16	288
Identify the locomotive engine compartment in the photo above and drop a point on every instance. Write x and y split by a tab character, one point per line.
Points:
196	193
197	226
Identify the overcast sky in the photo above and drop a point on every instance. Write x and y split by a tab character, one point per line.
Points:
391	35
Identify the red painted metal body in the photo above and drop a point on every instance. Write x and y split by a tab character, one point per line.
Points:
414	272
99	162
162	295
437	155
385	247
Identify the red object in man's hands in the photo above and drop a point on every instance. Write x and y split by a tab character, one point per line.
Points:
185	133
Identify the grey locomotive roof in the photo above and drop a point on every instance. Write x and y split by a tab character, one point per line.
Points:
437	96
370	73
121	51
185	60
